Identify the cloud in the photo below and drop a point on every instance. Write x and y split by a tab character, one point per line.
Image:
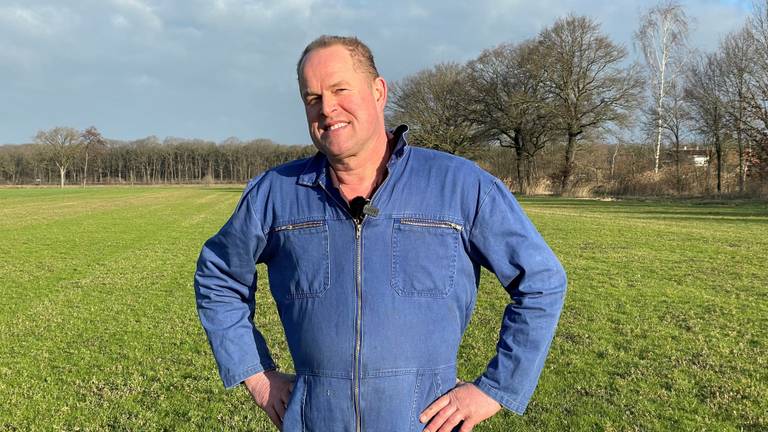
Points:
138	13
36	21
170	64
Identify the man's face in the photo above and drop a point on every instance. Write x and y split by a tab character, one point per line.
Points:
344	105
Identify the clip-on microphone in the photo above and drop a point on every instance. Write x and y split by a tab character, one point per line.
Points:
361	206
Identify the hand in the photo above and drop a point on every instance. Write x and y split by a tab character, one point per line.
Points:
465	402
271	391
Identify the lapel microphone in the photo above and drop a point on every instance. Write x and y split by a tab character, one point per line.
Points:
361	206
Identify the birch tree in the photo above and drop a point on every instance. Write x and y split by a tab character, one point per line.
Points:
662	37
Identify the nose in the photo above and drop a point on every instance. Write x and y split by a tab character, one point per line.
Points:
329	105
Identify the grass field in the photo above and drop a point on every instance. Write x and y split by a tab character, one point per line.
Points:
665	325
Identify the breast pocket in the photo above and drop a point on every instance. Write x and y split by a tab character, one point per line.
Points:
424	253
300	266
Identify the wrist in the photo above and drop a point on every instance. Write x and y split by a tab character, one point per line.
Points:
258	379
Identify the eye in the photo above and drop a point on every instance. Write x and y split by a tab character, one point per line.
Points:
311	100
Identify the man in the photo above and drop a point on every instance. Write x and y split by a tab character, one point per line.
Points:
374	250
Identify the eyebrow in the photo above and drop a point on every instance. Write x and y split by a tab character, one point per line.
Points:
337	84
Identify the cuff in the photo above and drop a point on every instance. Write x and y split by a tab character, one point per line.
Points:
484	385
231	380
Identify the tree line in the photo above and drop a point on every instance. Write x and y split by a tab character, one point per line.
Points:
65	155
680	121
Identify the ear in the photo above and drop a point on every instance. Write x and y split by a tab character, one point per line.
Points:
380	91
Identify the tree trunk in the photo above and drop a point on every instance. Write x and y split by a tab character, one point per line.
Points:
85	169
62	173
519	163
740	142
613	160
719	153
678	177
570	152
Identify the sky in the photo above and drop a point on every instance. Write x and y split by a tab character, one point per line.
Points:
214	69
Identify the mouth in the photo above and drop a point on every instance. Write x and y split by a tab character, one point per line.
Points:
335	126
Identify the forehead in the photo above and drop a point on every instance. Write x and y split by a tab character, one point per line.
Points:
327	65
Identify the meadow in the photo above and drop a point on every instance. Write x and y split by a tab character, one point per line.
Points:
665	325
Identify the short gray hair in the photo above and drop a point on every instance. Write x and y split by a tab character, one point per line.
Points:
361	54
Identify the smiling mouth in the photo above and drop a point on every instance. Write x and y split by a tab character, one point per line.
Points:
336	126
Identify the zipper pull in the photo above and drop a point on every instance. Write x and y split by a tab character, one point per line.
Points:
358	227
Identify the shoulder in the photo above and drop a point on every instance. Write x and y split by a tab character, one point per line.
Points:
435	161
287	172
277	177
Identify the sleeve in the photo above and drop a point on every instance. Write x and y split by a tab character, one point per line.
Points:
504	240
225	286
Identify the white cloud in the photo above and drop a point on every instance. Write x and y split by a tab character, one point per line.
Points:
119	21
141	12
143	81
37	21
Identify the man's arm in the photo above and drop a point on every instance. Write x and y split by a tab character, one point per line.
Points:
503	239
225	285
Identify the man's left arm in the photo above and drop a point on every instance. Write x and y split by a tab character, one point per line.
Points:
503	239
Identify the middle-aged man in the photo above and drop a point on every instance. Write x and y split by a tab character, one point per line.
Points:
374	250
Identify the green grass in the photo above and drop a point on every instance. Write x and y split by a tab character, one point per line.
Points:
665	325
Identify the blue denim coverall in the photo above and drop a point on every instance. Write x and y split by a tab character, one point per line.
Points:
374	313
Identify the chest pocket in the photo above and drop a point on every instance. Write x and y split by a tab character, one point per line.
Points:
300	267
424	257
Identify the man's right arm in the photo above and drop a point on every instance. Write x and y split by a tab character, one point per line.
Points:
225	285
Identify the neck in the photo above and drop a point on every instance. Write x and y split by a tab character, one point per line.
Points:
361	174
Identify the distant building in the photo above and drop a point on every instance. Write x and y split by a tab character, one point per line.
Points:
688	155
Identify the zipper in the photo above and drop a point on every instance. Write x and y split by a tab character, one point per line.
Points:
359	295
358	323
310	224
431	224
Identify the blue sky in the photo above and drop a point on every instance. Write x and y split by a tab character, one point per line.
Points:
218	68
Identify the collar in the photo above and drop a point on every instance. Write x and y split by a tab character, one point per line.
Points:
316	168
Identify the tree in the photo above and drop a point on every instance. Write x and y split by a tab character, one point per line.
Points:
736	86
757	105
11	162
92	141
675	118
703	93
62	147
662	37
509	104
431	103
585	77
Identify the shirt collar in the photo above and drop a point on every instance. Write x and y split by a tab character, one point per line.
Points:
316	168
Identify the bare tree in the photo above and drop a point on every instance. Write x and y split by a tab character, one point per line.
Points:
509	104
431	103
758	101
737	71
587	80
662	37
11	162
62	145
92	141
675	119
705	98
